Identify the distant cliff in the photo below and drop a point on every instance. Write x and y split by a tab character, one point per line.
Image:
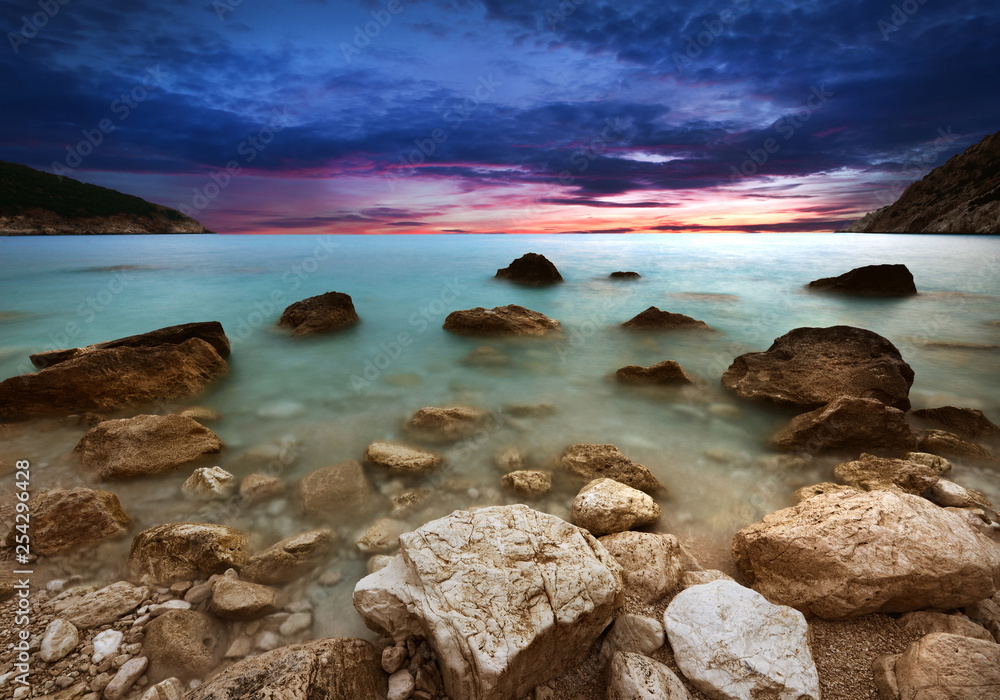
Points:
37	203
961	196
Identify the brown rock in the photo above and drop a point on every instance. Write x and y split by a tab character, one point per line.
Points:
183	644
527	483
848	424
74	519
290	558
987	613
145	445
844	554
652	563
949	445
666	372
186	551
870	280
605	506
233	599
624	275
501	320
102	606
402	459
949	666
445	424
968	423
112	379
925	622
320	314
257	488
531	268
589	462
652	319
869	472
336	488
810	367
807	492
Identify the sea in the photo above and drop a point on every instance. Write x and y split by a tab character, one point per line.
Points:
322	400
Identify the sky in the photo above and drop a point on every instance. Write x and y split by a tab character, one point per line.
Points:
500	116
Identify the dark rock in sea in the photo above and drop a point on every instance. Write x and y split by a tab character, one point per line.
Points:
654	319
502	320
624	275
588	462
531	268
73	520
961	196
320	314
209	331
849	424
810	367
951	446
968	423
870	280
112	379
666	372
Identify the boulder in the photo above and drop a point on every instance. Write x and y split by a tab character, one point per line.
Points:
870	280
987	613
637	677
605	506
233	599
495	590
335	489
948	494
634	634
968	423
589	462
257	488
530	484
666	372
58	640
950	445
844	554
732	644
145	445
926	622
186	551
337	668
102	606
209	484
320	314
402	459
848	424
531	268
113	378
652	319
652	563
183	644
869	472
73	520
501	320
291	558
442	425
942	665
624	275
810	367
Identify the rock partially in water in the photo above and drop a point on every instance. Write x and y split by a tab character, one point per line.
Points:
810	367
320	314
870	280
945	444
185	551
233	599
940	465
500	320
445	424
145	445
383	536
654	319
848	424
624	275
968	423
948	494
402	459
532	269
495	591
72	520
667	372
941	665
209	484
335	489
183	644
337	668
201	414
530	484
291	558
257	488
113	378
510	459
589	462
732	643
845	554
869	472
605	506
102	606
652	563
638	677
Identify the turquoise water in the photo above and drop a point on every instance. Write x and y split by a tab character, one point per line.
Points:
331	396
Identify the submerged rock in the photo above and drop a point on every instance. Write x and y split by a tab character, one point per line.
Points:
257	488
589	462
869	472
209	483
186	551
654	319
870	280
320	314
444	425
383	536
666	372
941	665
402	459
335	489
844	554
233	599
605	506
624	275
847	424
290	558
941	442
810	367
485	356
73	520
496	590
531	268
145	445
968	423
500	320
527	483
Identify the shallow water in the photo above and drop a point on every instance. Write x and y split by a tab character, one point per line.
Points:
329	397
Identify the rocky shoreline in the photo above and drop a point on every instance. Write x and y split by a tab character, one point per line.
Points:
881	582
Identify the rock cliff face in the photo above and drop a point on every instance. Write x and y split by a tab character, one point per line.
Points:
961	196
38	203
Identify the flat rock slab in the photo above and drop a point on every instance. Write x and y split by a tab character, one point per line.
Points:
104	605
401	459
870	280
496	590
500	320
589	462
320	314
810	367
